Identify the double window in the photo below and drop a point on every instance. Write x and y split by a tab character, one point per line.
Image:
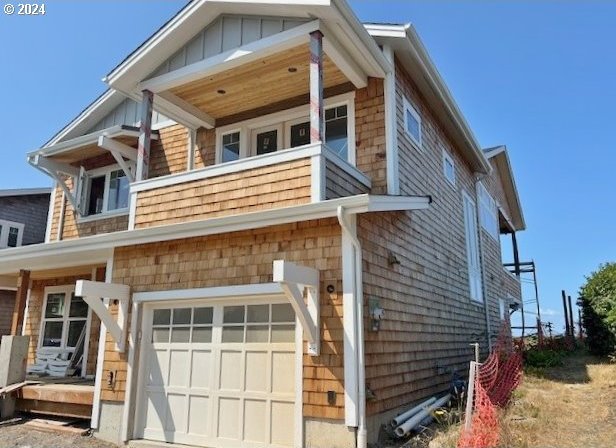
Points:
104	191
64	318
11	233
288	129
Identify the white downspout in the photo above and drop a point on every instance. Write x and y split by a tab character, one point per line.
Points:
362	434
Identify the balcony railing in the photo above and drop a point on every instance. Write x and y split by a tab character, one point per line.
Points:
289	177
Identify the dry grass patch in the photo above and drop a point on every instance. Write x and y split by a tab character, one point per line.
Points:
570	406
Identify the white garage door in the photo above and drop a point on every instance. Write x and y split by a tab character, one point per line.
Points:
219	375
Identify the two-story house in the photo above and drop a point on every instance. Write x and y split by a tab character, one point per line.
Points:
23	219
274	229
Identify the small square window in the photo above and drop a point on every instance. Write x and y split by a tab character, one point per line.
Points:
449	168
412	123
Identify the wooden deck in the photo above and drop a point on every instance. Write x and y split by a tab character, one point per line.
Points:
65	397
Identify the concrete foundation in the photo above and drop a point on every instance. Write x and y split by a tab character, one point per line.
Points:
110	423
321	433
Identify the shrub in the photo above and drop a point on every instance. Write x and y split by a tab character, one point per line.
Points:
598	302
541	358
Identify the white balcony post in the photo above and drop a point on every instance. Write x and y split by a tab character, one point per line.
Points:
317	111
145	136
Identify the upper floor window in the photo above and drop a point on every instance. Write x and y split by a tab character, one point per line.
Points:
449	168
472	249
412	123
11	233
104	191
488	213
288	129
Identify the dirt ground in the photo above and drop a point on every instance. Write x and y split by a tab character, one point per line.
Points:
16	435
570	406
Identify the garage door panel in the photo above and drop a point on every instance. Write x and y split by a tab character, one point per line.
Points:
179	368
230	370
199	415
282	423
228	418
200	369
283	372
176	416
157	409
256	371
255	425
158	368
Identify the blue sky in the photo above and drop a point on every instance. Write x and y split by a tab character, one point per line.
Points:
537	76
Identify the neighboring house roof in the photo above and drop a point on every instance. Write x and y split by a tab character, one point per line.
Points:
411	52
503	165
24	192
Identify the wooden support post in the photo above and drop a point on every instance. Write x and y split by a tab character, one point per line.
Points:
317	111
571	324
23	284
145	136
516	254
581	335
567	330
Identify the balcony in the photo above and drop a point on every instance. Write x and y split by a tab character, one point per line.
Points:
295	176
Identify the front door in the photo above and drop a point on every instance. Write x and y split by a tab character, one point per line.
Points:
219	375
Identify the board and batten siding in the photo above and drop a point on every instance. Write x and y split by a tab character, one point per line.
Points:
226	32
281	185
430	319
128	113
245	258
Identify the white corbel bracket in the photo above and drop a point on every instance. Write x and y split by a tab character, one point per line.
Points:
294	279
93	293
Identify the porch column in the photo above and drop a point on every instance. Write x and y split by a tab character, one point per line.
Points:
317	111
23	284
145	136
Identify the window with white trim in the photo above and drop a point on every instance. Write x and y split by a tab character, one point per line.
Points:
501	305
412	123
64	318
105	191
488	212
288	129
449	168
472	249
11	233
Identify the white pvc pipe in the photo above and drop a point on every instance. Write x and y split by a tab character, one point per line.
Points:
408	414
414	421
362	433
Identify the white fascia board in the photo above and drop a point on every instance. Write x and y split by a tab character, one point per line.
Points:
85	140
97	246
211	293
232	58
384	30
340	57
25	192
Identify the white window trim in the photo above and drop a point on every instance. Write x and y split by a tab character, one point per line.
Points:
67	290
283	118
4	234
470	247
501	308
105	171
410	107
493	208
448	158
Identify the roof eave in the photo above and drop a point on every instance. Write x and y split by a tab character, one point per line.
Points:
501	153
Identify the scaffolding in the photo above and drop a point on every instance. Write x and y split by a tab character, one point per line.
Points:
526	272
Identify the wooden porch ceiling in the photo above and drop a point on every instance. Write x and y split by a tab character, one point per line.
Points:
272	79
88	151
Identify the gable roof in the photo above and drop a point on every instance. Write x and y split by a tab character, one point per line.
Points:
503	165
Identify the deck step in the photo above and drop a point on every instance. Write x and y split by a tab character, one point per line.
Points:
61	400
